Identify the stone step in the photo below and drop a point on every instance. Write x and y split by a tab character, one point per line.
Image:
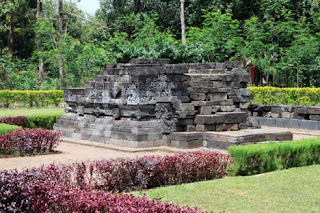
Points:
222	118
222	140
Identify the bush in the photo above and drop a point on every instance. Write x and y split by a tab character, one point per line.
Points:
30	98
81	187
5	128
42	121
29	141
266	157
22	193
149	172
18	120
285	96
33	121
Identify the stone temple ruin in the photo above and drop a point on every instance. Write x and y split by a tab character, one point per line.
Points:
149	102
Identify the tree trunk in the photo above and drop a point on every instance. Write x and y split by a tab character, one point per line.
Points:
60	29
41	63
183	24
11	34
136	6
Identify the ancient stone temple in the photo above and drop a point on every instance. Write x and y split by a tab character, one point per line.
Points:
149	102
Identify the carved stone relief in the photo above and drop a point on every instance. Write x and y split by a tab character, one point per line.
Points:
166	113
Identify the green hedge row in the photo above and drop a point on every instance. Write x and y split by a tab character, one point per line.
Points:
266	157
42	121
285	96
30	98
5	128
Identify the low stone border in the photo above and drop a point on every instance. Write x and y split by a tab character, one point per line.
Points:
289	123
285	111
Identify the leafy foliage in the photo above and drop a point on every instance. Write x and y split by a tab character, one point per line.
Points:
281	38
29	141
31	98
18	120
290	96
266	157
5	128
82	187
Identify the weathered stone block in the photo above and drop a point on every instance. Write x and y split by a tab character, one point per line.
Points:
312	125
314	117
206	110
198	96
314	110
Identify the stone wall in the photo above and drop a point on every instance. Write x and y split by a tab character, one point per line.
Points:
302	117
285	111
148	101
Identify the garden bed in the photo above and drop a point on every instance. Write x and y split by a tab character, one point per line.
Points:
92	187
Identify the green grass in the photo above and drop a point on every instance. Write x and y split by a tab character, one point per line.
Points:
5	128
292	190
30	111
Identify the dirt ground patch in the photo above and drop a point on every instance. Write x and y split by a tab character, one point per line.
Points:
70	153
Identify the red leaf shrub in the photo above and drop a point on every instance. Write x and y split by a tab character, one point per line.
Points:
65	198
149	172
18	120
48	189
82	187
29	141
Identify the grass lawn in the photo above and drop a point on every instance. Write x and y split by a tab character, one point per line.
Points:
30	111
292	190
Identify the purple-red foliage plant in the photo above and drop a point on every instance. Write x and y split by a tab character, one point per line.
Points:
89	187
18	120
29	141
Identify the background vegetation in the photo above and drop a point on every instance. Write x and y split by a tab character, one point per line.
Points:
281	37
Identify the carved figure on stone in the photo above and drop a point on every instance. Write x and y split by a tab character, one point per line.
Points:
115	91
96	93
164	87
150	90
132	95
165	113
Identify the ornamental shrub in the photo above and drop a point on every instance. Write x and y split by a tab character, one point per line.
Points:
20	193
29	141
31	98
153	171
5	128
285	96
17	120
33	121
85	187
266	157
42	121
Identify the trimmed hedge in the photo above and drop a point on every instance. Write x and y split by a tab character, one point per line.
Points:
31	98
29	141
32	121
85	187
18	120
266	157
285	96
42	121
6	128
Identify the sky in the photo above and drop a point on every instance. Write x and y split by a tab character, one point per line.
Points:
89	6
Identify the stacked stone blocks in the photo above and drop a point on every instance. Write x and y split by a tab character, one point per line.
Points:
149	102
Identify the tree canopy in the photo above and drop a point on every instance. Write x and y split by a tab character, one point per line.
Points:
280	37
